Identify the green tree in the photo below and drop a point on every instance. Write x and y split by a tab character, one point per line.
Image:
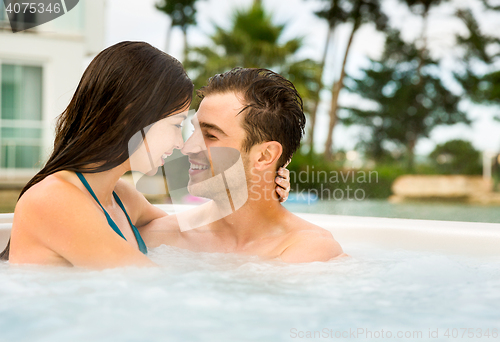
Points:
479	49
182	14
408	99
254	41
356	12
457	157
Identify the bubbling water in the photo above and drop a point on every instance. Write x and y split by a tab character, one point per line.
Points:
227	297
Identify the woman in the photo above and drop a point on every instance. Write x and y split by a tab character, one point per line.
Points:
64	213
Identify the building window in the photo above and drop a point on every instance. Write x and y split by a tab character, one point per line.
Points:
3	16
20	116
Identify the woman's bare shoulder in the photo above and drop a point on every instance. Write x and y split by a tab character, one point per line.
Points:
37	218
52	188
52	200
48	211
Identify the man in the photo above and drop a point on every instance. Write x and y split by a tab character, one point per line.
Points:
259	114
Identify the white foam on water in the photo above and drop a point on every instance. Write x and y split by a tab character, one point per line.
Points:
227	297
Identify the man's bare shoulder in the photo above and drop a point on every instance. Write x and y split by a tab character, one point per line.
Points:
299	228
308	242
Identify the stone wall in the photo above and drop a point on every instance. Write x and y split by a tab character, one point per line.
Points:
473	189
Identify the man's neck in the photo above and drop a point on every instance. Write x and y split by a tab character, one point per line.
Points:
260	216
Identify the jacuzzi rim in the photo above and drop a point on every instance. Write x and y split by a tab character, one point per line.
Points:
455	237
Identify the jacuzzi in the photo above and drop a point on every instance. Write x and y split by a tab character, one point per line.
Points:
408	280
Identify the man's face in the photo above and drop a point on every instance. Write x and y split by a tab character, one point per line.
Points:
217	126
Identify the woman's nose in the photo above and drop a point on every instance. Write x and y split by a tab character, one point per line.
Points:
179	142
192	145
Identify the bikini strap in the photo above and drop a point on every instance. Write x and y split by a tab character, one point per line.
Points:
87	186
110	220
117	199
138	237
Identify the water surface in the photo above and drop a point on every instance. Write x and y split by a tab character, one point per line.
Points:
225	297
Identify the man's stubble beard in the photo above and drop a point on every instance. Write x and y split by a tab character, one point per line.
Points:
214	188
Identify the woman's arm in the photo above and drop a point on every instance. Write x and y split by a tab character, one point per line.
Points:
283	183
140	210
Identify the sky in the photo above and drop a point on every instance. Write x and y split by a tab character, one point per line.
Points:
126	20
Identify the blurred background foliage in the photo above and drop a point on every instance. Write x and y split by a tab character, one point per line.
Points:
405	94
254	41
456	157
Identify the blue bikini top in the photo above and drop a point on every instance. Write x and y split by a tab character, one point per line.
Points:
140	241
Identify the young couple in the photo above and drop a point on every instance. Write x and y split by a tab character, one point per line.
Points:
77	211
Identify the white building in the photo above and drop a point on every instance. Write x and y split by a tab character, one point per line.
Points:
39	71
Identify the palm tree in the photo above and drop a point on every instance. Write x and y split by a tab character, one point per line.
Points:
357	12
254	41
182	14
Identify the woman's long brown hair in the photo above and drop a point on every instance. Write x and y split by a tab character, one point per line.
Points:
126	87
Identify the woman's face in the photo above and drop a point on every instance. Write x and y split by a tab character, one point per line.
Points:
158	143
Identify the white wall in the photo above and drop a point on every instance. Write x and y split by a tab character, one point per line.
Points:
62	54
95	12
62	68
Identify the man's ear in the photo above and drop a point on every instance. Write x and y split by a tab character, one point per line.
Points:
268	153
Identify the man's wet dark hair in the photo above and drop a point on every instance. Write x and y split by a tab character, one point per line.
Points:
273	107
